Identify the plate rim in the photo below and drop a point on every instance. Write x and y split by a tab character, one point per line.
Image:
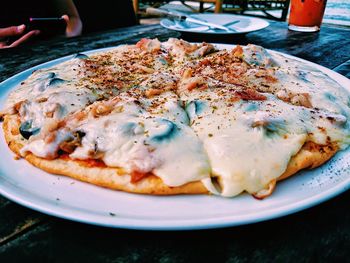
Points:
179	224
263	21
161	224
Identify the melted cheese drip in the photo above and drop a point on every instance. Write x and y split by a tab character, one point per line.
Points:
244	157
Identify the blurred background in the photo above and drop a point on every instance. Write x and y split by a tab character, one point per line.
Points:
337	11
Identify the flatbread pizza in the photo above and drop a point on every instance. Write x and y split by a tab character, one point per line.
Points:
178	118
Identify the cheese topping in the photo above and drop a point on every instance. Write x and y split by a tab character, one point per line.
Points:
183	112
143	142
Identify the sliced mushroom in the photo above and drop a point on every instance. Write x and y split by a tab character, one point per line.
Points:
73	142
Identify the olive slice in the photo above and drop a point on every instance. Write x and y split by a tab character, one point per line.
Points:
51	75
26	129
81	56
169	131
55	81
194	108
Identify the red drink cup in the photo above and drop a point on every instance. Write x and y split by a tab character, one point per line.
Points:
306	15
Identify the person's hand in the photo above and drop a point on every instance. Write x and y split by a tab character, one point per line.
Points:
74	26
14	31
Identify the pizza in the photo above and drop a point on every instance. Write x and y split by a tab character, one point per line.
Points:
174	117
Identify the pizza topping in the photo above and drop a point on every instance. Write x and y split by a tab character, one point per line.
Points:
51	109
136	141
182	49
150	45
145	69
183	112
257	55
137	176
46	147
337	119
101	109
72	143
237	141
257	130
249	94
153	92
192	83
195	83
237	51
43	99
271	125
26	129
267	75
166	130
194	108
158	83
302	99
265	192
81	56
55	81
203	50
299	99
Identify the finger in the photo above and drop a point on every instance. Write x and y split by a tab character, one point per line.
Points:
12	31
66	18
25	38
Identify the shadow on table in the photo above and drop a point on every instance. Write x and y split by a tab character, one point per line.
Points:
319	234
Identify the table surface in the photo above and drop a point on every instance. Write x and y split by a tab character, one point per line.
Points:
320	234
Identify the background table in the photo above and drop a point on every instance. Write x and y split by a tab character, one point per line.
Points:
320	234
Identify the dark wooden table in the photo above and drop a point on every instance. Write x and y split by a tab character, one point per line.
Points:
318	234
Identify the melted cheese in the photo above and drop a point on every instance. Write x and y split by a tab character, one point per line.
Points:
142	144
139	141
247	148
183	116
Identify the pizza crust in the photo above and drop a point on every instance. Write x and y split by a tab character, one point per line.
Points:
311	155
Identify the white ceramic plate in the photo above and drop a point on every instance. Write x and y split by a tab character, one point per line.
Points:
238	24
67	198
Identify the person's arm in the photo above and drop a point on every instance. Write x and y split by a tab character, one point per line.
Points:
70	14
14	31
